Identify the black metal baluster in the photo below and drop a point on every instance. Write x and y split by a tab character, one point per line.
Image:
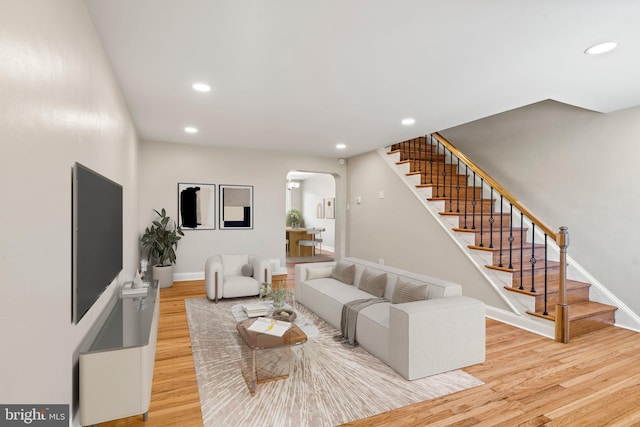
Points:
545	275
458	187
473	205
443	172
450	179
481	212
431	165
521	251
533	257
491	220
511	238
501	229
466	196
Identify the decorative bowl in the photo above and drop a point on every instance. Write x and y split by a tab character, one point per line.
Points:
284	314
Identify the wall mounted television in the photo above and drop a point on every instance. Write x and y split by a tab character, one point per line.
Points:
96	237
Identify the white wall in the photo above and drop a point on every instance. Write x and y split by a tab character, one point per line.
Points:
59	103
571	167
400	231
164	165
315	190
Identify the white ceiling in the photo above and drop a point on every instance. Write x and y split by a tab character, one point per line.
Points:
302	75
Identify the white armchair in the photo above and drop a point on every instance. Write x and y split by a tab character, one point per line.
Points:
237	275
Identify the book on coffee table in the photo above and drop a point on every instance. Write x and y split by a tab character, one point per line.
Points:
255	310
269	326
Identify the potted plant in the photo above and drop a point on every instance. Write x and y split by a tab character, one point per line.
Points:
161	240
294	217
277	294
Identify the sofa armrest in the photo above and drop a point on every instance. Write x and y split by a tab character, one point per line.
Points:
438	335
261	268
213	277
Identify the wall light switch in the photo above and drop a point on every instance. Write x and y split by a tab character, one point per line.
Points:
381	194
358	200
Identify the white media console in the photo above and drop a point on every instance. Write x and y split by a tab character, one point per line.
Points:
116	371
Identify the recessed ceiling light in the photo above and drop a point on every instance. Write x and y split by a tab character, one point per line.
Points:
341	146
408	121
599	48
190	129
201	87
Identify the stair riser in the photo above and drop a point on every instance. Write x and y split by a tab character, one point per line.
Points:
474	222
429	170
573	296
470	193
538	277
486	240
423	156
516	256
462	205
442	187
584	326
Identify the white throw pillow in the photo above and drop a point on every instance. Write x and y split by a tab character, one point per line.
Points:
319	273
232	264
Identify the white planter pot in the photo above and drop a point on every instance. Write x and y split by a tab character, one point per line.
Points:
163	274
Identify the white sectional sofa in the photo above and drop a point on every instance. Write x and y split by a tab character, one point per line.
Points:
417	339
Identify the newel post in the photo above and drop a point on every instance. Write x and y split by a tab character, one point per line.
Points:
562	308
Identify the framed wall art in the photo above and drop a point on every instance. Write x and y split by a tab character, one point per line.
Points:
236	207
197	206
329	208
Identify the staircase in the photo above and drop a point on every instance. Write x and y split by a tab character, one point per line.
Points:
515	245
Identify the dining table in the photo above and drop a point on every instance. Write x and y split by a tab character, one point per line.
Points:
293	236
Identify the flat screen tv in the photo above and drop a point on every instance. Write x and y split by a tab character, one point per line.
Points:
97	237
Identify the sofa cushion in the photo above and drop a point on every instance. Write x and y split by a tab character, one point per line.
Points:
372	330
326	297
344	272
240	286
232	264
319	273
247	270
407	292
373	282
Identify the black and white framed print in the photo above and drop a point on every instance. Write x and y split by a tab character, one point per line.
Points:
197	206
236	207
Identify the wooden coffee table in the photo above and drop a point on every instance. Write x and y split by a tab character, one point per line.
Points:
266	357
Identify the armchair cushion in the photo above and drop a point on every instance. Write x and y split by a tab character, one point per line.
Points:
240	286
232	264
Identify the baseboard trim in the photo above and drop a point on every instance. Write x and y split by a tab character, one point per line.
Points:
185	277
526	322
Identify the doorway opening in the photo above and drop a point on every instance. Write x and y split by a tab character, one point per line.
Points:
312	194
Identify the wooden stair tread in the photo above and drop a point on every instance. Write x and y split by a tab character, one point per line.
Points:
550	265
455	199
580	310
526	246
552	288
496	229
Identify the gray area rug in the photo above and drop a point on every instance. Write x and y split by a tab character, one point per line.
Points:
329	383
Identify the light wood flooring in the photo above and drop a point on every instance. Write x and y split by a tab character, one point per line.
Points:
529	380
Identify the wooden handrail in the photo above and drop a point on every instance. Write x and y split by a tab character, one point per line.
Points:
493	183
